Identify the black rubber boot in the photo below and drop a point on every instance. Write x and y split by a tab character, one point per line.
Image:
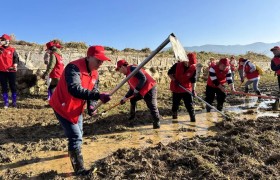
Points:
156	123
246	90
192	116
174	115
258	93
220	106
208	109
77	162
132	112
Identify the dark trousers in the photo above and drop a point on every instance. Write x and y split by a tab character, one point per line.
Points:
188	101
151	101
278	77
210	96
8	77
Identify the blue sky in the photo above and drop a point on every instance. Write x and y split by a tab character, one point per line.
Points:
143	23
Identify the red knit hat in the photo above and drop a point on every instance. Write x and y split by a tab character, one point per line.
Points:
120	63
192	58
224	61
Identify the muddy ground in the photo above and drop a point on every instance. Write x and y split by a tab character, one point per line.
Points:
33	145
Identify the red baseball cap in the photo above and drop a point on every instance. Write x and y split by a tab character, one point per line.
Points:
275	48
6	37
120	63
224	61
98	52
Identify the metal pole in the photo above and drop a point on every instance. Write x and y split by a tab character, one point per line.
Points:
212	107
158	49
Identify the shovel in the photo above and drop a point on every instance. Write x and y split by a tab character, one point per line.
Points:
212	107
105	111
177	48
275	105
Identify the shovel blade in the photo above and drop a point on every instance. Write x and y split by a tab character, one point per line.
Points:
178	49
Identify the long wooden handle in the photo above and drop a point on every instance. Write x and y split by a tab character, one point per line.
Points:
118	104
157	50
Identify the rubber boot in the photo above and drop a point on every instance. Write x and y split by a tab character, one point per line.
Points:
220	106
14	99
49	94
175	115
192	115
6	100
156	123
258	93
208	109
77	162
132	112
246	90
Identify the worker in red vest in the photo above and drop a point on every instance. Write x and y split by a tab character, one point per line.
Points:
78	85
142	86
219	74
275	62
184	74
8	67
251	73
55	65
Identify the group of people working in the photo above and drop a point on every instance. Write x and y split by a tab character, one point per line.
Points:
72	87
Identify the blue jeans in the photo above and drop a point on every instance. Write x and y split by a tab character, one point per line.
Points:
74	132
255	84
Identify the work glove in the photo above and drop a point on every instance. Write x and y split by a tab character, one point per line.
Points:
90	110
104	97
123	100
193	93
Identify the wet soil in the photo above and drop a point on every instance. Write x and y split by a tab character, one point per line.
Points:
33	145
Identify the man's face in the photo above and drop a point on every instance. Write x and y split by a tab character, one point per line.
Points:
186	63
276	52
222	67
123	70
94	63
4	42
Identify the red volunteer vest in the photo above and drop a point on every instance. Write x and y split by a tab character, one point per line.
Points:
221	76
250	75
58	68
63	102
183	78
6	58
276	61
133	82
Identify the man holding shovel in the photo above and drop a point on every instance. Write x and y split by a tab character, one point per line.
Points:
142	86
183	73
77	84
219	74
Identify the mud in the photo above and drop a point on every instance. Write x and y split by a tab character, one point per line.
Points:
33	145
